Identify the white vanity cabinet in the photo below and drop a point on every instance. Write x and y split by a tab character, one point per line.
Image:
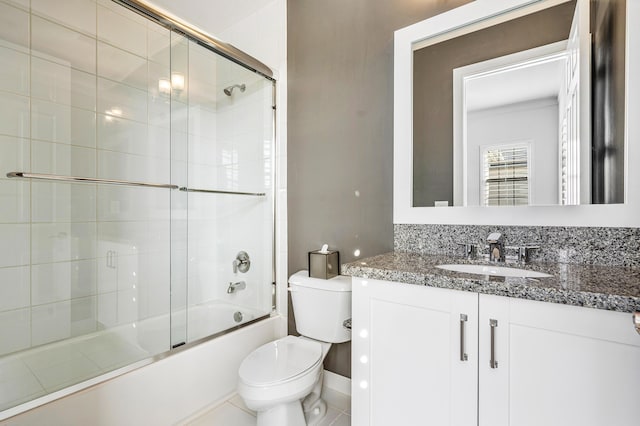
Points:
552	364
557	365
407	367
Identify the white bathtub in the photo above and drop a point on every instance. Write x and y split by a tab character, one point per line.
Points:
116	351
214	317
204	320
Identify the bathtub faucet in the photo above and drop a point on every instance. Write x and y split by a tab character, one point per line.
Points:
233	287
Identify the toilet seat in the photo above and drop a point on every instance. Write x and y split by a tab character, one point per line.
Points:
280	361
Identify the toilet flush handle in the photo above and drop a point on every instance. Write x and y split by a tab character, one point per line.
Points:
347	324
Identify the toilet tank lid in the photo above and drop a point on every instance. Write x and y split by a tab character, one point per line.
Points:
338	283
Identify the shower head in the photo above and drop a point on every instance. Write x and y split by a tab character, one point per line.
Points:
229	90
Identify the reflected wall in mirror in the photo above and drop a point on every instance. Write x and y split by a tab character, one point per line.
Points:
505	115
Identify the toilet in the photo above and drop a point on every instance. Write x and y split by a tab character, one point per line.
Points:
282	380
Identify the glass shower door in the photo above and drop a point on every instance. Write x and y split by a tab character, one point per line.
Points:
84	264
230	180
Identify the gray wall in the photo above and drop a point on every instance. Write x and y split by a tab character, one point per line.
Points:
340	125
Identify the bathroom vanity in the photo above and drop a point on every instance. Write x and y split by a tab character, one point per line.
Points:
432	346
439	347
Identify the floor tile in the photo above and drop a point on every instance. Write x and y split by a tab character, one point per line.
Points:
342	420
239	402
336	399
225	415
234	412
330	417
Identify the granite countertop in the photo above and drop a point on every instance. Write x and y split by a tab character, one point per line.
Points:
615	288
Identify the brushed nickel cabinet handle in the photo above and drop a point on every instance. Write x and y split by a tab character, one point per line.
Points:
463	354
493	363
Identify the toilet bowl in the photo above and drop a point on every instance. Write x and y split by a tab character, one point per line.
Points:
282	380
276	377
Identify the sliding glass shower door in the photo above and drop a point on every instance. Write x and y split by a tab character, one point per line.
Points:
222	139
136	165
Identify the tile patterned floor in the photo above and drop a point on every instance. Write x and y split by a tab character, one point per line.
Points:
233	412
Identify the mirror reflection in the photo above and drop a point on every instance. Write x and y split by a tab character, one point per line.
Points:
525	112
518	132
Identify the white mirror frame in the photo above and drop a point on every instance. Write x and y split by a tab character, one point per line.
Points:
606	215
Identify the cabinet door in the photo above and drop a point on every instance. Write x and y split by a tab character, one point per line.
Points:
406	351
557	365
493	361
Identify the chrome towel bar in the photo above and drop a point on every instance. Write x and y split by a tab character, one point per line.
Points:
78	179
214	191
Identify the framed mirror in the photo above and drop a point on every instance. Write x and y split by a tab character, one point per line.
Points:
497	103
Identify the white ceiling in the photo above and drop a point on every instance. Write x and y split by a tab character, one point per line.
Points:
523	84
212	16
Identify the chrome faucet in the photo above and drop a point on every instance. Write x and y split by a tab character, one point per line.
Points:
233	287
241	263
496	247
470	250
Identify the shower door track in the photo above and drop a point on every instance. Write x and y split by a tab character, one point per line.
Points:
205	40
78	179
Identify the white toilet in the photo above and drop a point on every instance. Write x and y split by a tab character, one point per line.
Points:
282	380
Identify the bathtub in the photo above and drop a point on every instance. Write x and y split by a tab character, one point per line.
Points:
205	320
216	331
213	318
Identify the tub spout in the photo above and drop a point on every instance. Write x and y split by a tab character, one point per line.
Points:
233	287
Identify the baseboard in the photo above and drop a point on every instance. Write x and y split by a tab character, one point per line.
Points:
337	382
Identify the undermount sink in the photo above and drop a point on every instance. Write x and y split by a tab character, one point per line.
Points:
499	271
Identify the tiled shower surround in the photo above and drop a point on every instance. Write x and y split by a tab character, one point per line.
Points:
561	244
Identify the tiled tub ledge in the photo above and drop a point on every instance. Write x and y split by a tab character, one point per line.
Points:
615	288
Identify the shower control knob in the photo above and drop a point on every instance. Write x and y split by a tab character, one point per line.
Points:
242	262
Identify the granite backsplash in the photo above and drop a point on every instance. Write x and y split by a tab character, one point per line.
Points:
558	244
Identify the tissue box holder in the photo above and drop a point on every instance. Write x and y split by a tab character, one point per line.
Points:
324	265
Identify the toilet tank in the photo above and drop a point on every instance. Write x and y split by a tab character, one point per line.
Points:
321	306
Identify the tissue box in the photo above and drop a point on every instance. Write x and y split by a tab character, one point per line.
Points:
324	265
